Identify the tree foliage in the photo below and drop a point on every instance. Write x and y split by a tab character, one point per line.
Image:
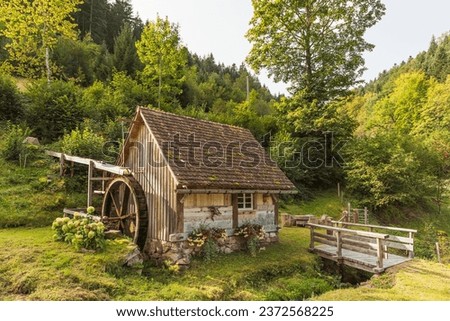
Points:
10	100
91	18
125	55
402	150
164	59
32	28
52	108
315	46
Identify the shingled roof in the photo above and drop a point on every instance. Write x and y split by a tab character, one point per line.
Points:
208	155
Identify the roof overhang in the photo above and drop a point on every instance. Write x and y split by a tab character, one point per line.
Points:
234	191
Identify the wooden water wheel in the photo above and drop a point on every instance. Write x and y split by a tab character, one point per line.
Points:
125	208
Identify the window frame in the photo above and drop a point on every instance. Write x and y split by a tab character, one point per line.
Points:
242	202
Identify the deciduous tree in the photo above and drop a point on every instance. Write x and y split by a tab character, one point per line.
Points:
315	46
32	28
164	59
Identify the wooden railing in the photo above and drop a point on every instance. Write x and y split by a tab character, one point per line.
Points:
342	238
405	241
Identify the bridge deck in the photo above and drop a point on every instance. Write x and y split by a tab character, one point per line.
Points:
358	260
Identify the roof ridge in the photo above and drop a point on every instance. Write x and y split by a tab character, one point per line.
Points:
190	117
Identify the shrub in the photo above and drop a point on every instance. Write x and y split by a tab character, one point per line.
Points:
425	245
82	233
83	143
388	169
253	233
10	100
100	103
52	108
13	147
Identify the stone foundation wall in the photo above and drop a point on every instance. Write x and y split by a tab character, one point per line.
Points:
180	252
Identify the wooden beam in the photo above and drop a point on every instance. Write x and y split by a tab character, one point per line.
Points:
90	192
101	178
114	169
320	240
311	238
71	212
275	209
338	245
380	253
234	202
233	191
354	232
180	213
61	165
389	228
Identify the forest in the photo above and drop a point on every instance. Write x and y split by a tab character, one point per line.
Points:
72	75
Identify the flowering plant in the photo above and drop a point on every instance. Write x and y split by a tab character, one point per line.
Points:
82	232
198	236
253	233
249	230
205	240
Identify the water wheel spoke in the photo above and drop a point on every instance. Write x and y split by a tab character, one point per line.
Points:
125	201
122	224
116	203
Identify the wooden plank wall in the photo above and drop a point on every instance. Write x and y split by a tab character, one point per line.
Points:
157	182
197	211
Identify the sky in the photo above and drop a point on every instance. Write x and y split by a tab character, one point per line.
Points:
219	27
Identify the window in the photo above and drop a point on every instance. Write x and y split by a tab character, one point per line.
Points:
245	201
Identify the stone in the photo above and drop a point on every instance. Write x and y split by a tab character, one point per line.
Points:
134	258
172	256
183	261
166	247
32	141
113	234
227	250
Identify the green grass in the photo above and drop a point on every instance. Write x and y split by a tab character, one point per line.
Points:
33	267
418	281
323	203
28	198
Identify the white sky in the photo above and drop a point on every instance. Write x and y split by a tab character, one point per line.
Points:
219	26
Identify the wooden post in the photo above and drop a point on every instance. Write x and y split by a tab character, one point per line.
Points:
72	169
103	181
338	244
411	253
234	201
366	216
380	254
180	213
438	252
311	238
90	189
275	209
61	165
349	209
285	219
355	216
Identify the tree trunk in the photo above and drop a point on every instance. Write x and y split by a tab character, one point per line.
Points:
47	63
